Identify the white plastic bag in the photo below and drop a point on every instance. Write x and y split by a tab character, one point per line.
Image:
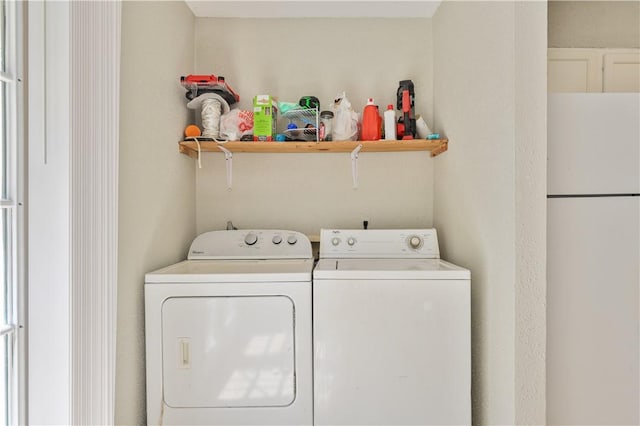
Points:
235	124
345	120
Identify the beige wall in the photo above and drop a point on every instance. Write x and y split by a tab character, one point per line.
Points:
156	184
489	202
530	212
290	58
594	24
483	210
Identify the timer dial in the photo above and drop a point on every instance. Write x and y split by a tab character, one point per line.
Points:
250	239
415	242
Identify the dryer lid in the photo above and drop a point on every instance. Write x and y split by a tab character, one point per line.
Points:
234	271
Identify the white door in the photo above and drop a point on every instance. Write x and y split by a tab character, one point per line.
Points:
391	352
228	351
592	313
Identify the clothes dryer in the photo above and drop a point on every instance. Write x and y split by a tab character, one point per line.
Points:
228	332
391	324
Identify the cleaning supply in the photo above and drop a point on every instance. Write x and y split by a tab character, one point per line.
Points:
265	114
371	122
390	123
421	127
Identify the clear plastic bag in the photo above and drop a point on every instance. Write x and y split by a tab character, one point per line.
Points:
345	120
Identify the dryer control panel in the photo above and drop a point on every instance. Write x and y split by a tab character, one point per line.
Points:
251	244
379	243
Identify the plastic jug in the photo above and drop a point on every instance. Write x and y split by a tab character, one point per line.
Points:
390	123
371	122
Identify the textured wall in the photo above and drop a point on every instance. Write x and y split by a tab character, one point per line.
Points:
482	99
531	211
594	24
290	58
157	185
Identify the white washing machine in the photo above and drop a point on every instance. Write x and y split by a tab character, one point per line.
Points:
392	336
228	332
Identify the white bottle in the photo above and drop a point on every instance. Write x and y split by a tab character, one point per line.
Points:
390	123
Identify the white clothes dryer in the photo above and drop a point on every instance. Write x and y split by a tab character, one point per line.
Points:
391	323
228	332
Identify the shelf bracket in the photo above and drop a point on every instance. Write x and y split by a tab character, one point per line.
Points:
354	165
228	161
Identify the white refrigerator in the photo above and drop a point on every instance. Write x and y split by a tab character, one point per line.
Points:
593	257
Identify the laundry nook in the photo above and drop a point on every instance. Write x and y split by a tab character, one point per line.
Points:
371	212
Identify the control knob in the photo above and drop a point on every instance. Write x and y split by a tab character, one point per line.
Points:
415	242
335	241
250	239
277	239
351	241
292	239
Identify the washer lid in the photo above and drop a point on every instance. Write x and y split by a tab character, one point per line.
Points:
229	271
386	269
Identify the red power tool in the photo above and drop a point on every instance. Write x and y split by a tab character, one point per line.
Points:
196	85
405	103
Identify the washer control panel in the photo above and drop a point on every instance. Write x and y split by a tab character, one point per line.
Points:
251	244
379	243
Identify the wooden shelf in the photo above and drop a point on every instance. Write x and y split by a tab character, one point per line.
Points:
436	146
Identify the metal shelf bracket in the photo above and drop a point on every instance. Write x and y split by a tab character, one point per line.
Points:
228	161
354	165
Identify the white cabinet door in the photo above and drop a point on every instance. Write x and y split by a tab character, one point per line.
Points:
592	312
593	70
574	70
622	72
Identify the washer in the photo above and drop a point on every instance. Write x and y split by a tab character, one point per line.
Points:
228	332
391	325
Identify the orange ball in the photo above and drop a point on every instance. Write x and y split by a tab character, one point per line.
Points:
192	131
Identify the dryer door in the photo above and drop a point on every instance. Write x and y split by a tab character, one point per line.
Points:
228	351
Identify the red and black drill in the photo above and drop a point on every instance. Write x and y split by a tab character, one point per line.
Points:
406	128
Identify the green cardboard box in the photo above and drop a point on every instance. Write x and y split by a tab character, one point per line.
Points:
265	116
